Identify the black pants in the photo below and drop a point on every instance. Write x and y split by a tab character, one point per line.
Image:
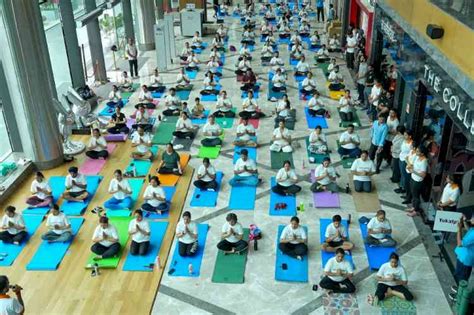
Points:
350	60
278	89
283	190
227	246
360	91
159	89
166	170
133	66
395	170
318	112
336	86
8	238
183	134
206	142
147	105
187	249
293	250
329	284
248	87
378	157
347	116
416	188
227	114
249	115
209	92
104	251
97	154
139	248
203	185
118	129
320	11
382	289
171	112
387	154
146	127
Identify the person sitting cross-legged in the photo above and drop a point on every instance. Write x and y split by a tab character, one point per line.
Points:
325	177
172	104
187	235
184	127
118	123
105	239
245	134
337	275
281	139
224	106
115	97
206	176
286	180
76	186
155	197
318	143
97	146
379	231
170	162
120	189
141	141
41	191
231	237
336	236
212	133
142	118
59	228
245	171
13	230
139	230
293	240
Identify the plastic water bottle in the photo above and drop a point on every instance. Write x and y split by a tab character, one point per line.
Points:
190	269
134	170
301	206
158	262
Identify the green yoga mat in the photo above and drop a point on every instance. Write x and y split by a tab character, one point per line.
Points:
395	305
211	152
230	268
170	119
226	123
323	66
347	162
277	159
164	133
122	228
318	158
355	122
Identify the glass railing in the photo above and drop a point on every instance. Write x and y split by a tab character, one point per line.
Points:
462	10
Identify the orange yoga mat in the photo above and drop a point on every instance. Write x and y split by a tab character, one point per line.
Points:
171	179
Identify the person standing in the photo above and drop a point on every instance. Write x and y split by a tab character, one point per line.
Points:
362	78
451	192
395	150
132	54
351	43
464	253
320	10
378	133
8	305
418	170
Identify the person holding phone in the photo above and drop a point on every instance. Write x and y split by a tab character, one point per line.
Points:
9	305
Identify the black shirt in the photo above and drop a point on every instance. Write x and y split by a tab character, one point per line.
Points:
121	117
370	78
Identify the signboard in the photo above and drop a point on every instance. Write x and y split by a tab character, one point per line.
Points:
387	29
447	221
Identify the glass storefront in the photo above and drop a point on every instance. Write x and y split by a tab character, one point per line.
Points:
50	11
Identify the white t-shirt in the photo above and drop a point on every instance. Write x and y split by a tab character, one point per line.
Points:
419	165
363	166
321	170
308	84
17	219
10	306
387	270
405	150
345	104
392	125
251	105
345	136
322	53
60	219
278	134
333	266
237	228
241	128
289	234
286	177
450	193
142	148
210	171
80	179
44	185
375	92
181	79
214	129
351	41
141	117
158	191
115	96
184	125
172	101
110	231
317	139
250	164
186	238
139	237
124	184
334	76
145	95
99	143
278	80
302	66
331	231
375	225
315	103
224	104
156	80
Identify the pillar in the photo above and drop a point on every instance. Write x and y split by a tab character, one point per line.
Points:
95	44
72	45
30	81
146	21
128	19
345	21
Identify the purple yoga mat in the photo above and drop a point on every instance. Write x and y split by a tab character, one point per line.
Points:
325	199
119	137
93	167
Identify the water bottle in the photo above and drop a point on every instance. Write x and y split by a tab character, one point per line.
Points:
158	262
190	269
301	206
134	170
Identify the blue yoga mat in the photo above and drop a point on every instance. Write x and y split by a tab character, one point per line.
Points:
275	198
201	121
32	222
293	62
203	198
183	94
169	193
237	200
49	255
142	166
245	94
142	263
209	98
136	185
377	255
181	264
77	208
107	111
252	153
271	93
325	256
191	74
157	94
297	270
315	121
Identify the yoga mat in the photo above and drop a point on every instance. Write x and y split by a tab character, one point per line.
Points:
170	119
293	62
297	270
136	185
254	122
325	256
209	98
32	222
252	153
313	122
275	198
142	166
336	95
107	111
245	94
93	167
395	305
325	199
273	94
179	266
377	256
119	137
169	193
121	224
157	94
323	66
164	133
365	202
186	143
48	256
77	208
355	121
230	268
277	159
142	263
226	123
183	94
299	78
209	152
191	74
171	179
346	162
318	158
201	121
57	187
204	198
237	202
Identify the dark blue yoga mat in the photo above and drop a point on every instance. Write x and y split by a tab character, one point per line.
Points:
252	153
32	222
297	270
204	198
377	255
49	255
142	263
325	256
169	192
315	121
179	266
275	198
71	208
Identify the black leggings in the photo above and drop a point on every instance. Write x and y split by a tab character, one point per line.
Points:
183	134
293	250
139	248
203	185
347	116
97	154
104	251
171	112
187	249
118	129
329	284
8	238
318	112
382	289
283	190
166	170
249	115
228	246
227	114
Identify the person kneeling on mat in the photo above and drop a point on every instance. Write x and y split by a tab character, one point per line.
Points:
106	240
362	169
206	176
293	240
142	142
13	229
76	186
232	233
336	236
285	181
155	197
187	235
59	228
170	162
392	280
379	231
97	146
281	139
325	177
246	135
245	171
41	191
337	275
139	230
120	189
212	133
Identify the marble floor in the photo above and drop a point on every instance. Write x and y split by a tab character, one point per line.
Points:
261	293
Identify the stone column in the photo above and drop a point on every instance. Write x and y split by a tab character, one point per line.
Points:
95	44
128	19
146	21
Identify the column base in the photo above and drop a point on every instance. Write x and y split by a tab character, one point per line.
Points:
146	46
46	165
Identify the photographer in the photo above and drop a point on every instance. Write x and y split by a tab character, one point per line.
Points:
10	305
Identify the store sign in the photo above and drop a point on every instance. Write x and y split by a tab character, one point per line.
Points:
463	112
387	29
447	221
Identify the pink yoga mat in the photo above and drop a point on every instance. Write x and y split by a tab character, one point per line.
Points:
255	122
93	167
325	199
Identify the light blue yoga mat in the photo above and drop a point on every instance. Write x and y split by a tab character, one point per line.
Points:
315	121
273	94
183	94
142	263
157	94
201	121
252	153
325	256
377	255
297	270
71	208
142	166
209	98
169	193
181	264
136	185
204	198
237	200
49	255
32	222
191	74
275	198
